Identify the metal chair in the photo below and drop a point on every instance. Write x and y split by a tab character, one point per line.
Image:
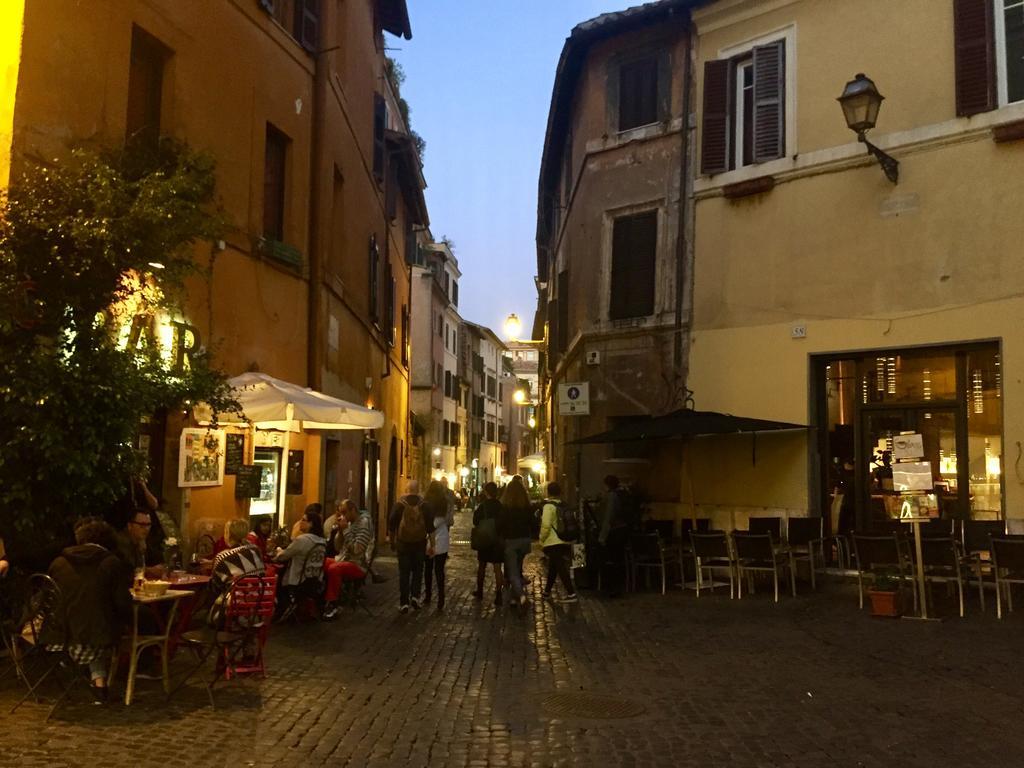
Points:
804	535
311	587
1008	567
841	542
756	552
975	539
240	628
772	525
939	528
941	559
874	553
711	552
647	552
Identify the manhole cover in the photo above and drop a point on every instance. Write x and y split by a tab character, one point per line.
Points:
588	705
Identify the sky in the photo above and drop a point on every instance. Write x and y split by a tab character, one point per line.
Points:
478	79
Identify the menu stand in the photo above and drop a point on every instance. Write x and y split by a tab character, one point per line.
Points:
919	584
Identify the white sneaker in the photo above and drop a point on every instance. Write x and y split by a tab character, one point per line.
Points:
415	603
403	609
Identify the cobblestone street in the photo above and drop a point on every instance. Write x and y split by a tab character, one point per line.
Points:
708	682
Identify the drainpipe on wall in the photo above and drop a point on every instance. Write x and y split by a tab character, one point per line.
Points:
684	238
321	66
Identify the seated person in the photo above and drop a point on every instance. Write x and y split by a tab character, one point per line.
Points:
355	536
131	544
296	556
95	600
240	558
259	536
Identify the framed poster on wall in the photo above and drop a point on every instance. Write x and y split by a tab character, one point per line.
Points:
201	458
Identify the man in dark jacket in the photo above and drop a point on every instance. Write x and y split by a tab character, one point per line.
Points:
411	533
95	601
485	516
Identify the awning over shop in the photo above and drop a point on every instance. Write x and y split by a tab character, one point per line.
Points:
275	404
685	423
530	462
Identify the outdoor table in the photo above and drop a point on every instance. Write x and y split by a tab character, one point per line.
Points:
140	642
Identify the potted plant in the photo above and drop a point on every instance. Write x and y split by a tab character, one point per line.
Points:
885	595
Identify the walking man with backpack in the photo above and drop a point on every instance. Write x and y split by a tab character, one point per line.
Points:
558	529
411	531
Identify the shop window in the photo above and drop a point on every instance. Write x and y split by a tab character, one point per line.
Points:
744	109
145	86
275	171
634	248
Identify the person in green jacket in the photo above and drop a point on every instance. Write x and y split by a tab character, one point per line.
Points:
558	552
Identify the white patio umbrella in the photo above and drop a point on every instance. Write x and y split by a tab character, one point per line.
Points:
271	403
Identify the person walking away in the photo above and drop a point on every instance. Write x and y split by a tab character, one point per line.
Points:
557	521
613	536
410	529
437	500
95	601
487	542
515	526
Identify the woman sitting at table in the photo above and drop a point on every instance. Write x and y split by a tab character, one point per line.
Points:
259	536
95	601
241	558
299	556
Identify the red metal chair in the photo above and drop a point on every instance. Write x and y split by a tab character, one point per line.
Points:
236	633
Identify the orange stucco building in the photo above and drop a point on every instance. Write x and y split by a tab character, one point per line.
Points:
316	174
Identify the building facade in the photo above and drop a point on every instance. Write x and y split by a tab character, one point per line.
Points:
612	251
827	295
321	186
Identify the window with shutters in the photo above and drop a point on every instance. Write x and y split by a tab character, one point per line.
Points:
405	335
634	252
145	86
638	93
390	299
299	18
744	109
373	272
448	384
1009	31
275	173
380	124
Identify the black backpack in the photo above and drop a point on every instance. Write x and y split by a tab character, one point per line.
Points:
567	526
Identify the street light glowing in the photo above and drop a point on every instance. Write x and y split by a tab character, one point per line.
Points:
464	472
539	467
519	396
437	452
532	422
513	327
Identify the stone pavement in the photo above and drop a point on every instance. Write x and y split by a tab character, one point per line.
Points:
710	682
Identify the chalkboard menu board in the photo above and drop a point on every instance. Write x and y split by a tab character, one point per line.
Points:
234	454
296	461
247	481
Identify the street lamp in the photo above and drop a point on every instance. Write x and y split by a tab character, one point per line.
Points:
437	452
532	422
519	396
861	101
513	327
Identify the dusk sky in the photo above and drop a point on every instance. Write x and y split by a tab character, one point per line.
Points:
478	82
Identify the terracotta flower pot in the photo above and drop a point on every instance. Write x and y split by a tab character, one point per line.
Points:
884	603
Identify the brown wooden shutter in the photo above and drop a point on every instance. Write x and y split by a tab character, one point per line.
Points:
380	121
769	101
634	255
374	278
714	139
975	61
307	24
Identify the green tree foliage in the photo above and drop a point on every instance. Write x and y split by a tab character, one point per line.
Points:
79	239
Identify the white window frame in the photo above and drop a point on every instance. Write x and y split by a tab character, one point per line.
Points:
737	50
739	113
1002	75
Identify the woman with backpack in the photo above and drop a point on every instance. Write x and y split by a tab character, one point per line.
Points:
488	545
411	532
436	499
515	527
557	521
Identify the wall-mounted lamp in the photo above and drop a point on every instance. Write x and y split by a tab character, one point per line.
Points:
860	102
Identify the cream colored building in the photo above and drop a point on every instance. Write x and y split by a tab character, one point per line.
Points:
826	295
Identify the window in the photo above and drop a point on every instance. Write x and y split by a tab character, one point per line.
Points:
300	18
440	325
447	335
145	86
634	247
1009	29
275	170
448	384
744	109
405	335
638	93
492	387
390	298
380	124
490	432
373	286
455	293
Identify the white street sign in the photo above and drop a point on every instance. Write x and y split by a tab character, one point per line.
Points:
574	399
